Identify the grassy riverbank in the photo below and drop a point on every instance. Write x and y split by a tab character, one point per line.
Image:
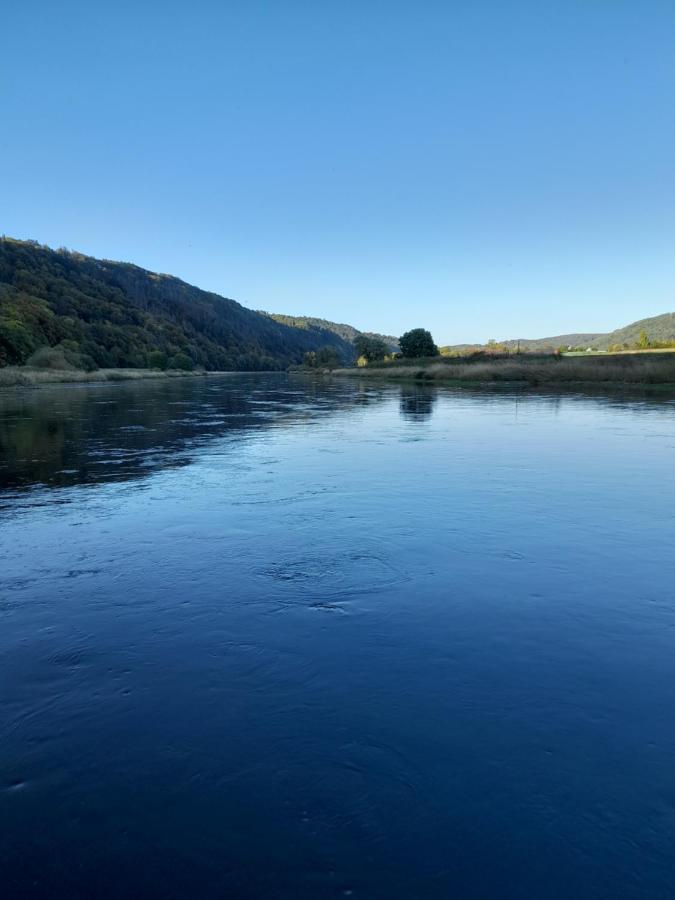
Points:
25	376
529	369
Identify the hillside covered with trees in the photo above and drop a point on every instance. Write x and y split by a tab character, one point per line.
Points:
346	332
57	305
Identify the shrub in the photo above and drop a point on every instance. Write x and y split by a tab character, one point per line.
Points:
64	356
157	360
181	361
49	358
370	349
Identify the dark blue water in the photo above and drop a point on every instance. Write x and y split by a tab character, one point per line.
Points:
268	638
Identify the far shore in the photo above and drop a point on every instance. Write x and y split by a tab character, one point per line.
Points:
26	376
630	370
653	370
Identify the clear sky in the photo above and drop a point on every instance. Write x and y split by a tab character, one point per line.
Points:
485	169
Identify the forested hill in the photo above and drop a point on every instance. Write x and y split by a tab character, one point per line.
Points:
346	332
112	314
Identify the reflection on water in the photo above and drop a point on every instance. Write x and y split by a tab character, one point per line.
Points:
417	402
79	434
269	637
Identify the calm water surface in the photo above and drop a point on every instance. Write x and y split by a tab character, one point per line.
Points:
268	638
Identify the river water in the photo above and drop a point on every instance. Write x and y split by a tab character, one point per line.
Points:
263	637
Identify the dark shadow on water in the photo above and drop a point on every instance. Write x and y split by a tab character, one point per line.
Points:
65	435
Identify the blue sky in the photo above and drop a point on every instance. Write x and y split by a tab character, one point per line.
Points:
484	169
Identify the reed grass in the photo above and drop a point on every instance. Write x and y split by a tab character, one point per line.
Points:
648	369
26	376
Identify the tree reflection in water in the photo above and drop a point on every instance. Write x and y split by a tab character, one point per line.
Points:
417	402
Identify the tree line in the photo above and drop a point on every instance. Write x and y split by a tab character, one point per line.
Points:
414	344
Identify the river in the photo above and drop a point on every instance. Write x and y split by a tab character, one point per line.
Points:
269	637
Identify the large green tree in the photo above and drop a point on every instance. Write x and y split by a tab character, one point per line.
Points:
417	343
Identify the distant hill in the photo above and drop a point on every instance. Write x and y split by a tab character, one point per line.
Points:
346	332
582	339
657	328
542	345
114	314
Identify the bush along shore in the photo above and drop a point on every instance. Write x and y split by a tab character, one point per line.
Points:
529	369
26	376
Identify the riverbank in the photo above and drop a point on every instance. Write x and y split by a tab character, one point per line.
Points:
25	376
630	369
